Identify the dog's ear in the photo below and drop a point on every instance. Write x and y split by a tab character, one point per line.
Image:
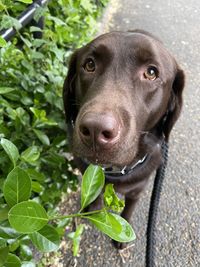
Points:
175	103
69	91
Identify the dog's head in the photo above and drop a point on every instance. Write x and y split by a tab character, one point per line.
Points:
118	87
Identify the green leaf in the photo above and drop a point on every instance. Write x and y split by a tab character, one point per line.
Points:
6	90
36	55
127	234
42	137
39	12
13	245
3	243
106	223
26	41
46	239
3	42
8	21
27	217
7	232
41	119
87	5
3	255
31	154
54	159
11	150
57	20
35	175
2	6
25	252
76	238
17	186
113	225
12	261
4	213
111	200
35	29
26	1
37	187
14	95
92	184
23	116
3	251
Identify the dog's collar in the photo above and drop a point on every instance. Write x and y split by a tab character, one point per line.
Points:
115	171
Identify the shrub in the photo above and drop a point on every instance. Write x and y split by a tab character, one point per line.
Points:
31	108
30	220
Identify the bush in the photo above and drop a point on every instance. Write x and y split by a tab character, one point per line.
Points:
30	220
31	108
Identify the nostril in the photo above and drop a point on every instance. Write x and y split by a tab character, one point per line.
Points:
107	134
85	131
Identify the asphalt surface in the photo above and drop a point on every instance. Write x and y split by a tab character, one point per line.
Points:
177	24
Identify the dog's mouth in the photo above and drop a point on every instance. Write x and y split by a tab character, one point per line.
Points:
111	170
148	144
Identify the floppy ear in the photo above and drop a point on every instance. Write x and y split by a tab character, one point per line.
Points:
69	92
175	103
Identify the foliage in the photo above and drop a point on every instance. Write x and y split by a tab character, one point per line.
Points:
28	220
33	149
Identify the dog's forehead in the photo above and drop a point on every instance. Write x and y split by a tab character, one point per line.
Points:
125	40
139	46
128	43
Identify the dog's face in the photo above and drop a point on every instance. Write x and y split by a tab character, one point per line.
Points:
119	87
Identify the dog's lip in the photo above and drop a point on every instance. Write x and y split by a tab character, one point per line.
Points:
96	162
104	166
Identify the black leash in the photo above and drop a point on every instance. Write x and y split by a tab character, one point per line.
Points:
153	210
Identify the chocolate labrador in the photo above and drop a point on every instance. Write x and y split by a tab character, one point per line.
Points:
122	96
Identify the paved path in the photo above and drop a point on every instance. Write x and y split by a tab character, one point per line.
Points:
177	23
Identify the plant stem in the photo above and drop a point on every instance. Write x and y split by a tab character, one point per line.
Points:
76	214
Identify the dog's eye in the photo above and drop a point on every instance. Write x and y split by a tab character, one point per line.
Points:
151	73
89	65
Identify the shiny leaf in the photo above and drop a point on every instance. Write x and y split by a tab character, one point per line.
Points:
11	150
42	137
111	200
46	239
12	261
2	42
17	186
27	217
31	154
92	184
113	225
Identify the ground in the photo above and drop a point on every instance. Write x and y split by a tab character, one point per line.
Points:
177	24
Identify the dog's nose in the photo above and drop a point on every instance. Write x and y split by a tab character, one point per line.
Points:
101	130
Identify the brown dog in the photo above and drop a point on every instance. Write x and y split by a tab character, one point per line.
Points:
122	96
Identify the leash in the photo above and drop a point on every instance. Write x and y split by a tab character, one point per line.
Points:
153	210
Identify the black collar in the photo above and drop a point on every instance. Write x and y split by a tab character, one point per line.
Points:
118	172
115	171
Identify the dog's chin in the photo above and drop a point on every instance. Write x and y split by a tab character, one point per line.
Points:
107	158
107	161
